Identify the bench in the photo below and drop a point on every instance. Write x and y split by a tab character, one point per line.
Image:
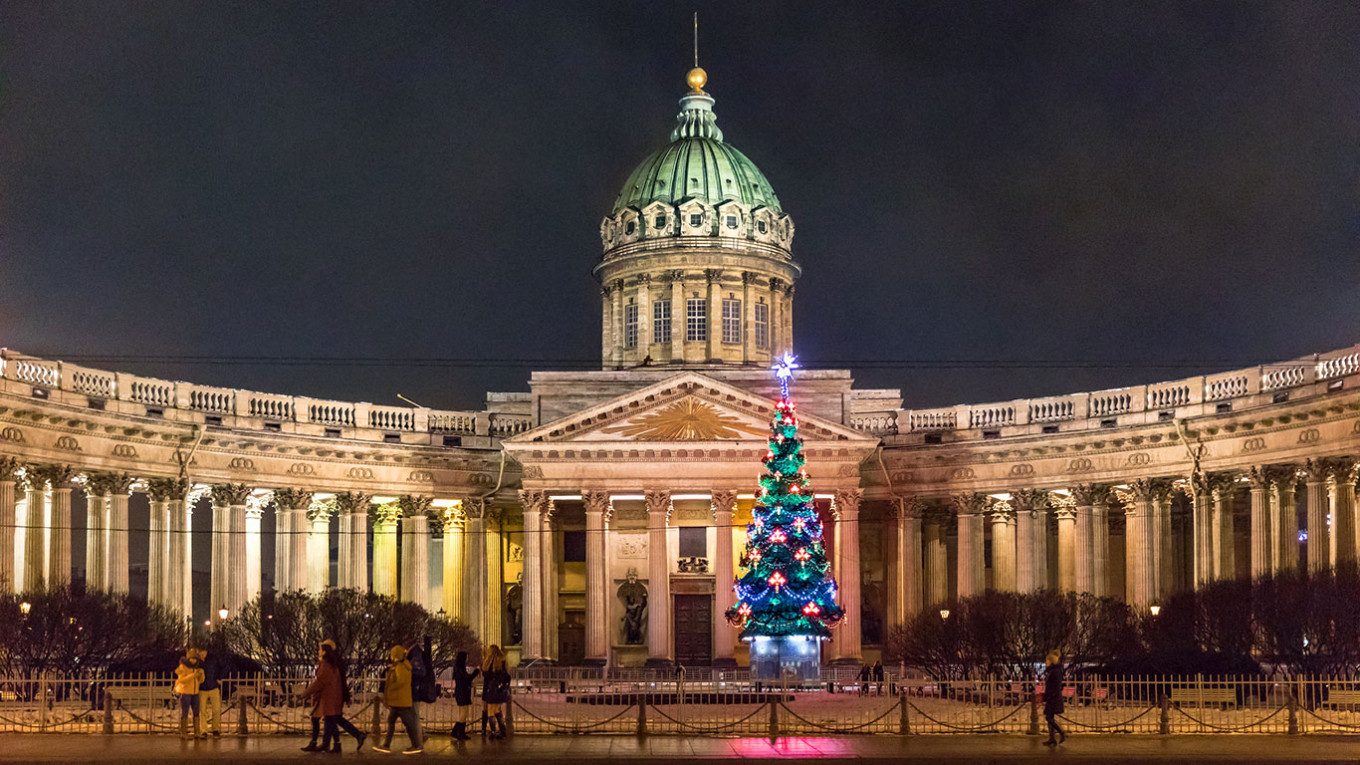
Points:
1339	697
1188	695
140	696
1097	696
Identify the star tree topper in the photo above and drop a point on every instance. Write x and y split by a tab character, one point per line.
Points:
783	369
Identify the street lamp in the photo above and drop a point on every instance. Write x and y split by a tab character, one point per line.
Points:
1154	609
944	613
25	607
222	614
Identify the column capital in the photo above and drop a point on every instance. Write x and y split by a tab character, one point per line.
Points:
533	500
1339	469
352	501
724	501
255	504
644	279
970	503
712	275
452	518
1002	511
846	501
1221	484
776	284
907	507
474	507
749	277
658	503
58	476
166	489
596	501
415	505
676	276
1089	494
1064	505
229	494
291	499
1036	500
9	469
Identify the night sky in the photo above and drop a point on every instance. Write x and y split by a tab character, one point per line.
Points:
1141	191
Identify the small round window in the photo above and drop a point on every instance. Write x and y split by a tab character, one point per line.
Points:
631	227
731	221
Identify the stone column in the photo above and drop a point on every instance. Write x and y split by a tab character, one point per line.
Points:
971	578
786	313
59	543
936	559
848	573
550	581
658	579
535	506
493	608
1003	547
474	584
617	293
120	486
161	492
179	585
1083	573
1138	560
1261	526
645	335
777	346
1221	488
9	521
228	569
713	277
34	561
1035	503
748	318
1024	545
1100	543
905	565
1282	501
454	566
606	326
415	549
724	651
678	316
1066	512
291	533
1341	489
1201	521
1319	547
597	616
254	522
385	550
353	563
96	530
1159	540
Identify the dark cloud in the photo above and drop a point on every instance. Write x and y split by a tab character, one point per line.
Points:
1151	182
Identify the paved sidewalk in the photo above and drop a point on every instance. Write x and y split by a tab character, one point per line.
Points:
862	750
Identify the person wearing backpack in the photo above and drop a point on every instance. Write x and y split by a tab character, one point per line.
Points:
400	705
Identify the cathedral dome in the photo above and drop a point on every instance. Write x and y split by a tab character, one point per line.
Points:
697	185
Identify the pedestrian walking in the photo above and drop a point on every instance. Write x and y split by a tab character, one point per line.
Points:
462	695
424	690
397	697
188	675
210	692
863	678
1053	698
878	676
328	694
495	690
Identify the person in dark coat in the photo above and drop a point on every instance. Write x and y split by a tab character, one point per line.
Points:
462	694
495	690
1053	698
328	692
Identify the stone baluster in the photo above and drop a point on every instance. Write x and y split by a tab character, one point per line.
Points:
535	505
96	531
597	617
935	556
658	579
1286	512
120	488
1003	546
1319	546
455	574
971	577
9	522
1261	524
846	507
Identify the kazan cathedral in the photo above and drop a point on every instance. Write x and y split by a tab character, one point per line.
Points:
598	518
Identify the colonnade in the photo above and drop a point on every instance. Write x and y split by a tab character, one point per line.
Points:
1157	561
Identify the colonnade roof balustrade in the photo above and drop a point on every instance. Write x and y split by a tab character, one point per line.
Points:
177	401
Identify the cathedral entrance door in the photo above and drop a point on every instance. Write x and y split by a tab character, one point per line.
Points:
694	630
571	640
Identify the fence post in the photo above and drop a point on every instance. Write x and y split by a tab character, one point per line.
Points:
509	711
1293	705
377	718
903	720
642	715
774	718
42	702
1165	726
1033	713
242	726
108	712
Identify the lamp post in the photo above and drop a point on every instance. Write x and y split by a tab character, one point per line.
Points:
1154	609
25	607
944	614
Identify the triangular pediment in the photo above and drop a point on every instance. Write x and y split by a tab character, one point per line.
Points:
686	407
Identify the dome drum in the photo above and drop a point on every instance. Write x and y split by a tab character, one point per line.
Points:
729	219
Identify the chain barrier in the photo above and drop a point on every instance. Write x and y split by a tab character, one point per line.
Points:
1229	728
967	729
571	728
718	729
1329	722
831	729
1129	721
151	723
45	726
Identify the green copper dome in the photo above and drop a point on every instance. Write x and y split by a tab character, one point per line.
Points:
696	164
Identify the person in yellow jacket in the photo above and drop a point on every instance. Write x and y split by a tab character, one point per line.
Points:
188	675
397	697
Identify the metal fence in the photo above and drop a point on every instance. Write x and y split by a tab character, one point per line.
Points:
727	703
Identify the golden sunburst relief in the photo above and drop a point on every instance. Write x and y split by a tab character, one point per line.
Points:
688	419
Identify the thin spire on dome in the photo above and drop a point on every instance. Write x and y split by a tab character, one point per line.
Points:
696	118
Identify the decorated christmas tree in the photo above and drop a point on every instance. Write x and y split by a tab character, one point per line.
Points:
786	599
